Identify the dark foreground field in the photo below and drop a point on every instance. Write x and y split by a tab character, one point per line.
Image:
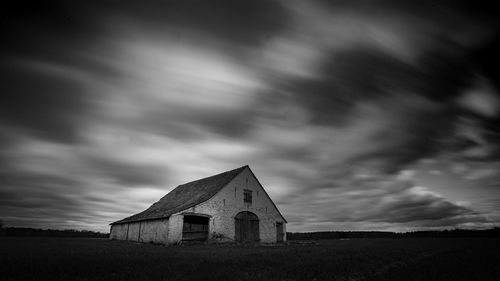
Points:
357	259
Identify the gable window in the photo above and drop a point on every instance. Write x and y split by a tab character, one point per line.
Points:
247	196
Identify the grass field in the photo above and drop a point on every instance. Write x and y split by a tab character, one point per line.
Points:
356	259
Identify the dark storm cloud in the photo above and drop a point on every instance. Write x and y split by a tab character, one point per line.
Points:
409	208
444	12
397	202
29	191
246	22
366	73
415	136
419	94
487	57
41	104
190	124
52	31
61	201
420	97
43	24
129	174
46	59
60	33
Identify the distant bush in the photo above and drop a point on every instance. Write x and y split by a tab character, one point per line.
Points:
35	232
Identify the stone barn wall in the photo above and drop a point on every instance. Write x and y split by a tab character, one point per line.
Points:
228	202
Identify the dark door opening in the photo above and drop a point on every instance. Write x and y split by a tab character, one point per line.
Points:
246	226
195	228
279	232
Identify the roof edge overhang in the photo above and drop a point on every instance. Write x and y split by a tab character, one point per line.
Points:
139	220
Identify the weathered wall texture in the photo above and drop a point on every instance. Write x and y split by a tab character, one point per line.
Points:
155	231
133	231
118	231
175	228
222	208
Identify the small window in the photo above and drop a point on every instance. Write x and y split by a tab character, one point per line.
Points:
247	196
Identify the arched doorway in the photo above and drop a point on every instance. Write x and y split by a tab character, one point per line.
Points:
246	227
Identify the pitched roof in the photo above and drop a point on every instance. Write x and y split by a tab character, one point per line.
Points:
185	196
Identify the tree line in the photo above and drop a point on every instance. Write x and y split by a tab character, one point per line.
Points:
36	232
493	232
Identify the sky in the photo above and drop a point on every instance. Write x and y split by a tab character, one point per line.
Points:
354	115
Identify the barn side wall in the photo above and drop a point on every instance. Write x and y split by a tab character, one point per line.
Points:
226	204
133	231
175	228
155	231
118	232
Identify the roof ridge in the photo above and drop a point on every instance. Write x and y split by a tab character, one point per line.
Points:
213	176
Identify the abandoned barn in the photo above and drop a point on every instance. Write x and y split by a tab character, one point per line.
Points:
231	206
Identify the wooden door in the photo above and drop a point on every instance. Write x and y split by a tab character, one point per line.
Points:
279	232
246	227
